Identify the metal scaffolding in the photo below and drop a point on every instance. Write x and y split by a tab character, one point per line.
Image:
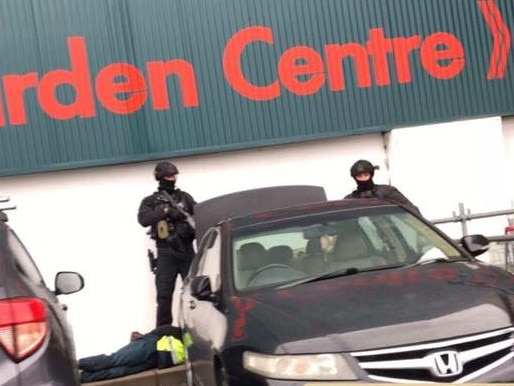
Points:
507	239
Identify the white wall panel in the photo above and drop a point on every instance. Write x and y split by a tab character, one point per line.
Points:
441	165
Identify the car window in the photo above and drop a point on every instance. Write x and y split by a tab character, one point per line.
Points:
193	270
386	240
23	260
210	260
370	238
293	239
421	238
415	240
373	234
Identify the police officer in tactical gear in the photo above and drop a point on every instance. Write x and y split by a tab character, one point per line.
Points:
362	172
168	212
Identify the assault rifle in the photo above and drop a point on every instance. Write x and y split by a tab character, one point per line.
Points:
189	219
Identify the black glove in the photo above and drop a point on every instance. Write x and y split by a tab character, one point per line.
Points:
163	210
175	215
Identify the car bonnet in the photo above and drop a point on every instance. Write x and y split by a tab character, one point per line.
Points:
379	309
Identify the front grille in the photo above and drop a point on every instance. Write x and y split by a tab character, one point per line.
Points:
454	360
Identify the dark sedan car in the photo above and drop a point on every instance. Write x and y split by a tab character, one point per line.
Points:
350	290
36	347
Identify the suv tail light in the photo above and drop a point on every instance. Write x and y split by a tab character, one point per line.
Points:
23	326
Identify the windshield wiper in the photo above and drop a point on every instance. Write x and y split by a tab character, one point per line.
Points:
322	276
338	273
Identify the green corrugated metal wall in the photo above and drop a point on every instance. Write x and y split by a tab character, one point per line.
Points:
33	38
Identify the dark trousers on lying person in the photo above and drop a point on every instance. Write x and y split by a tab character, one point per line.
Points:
139	355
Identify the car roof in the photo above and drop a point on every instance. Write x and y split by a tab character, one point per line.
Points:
306	210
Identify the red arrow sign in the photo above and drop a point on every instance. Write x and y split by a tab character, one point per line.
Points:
501	39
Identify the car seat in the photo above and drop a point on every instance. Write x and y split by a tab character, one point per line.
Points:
352	251
314	259
280	254
250	257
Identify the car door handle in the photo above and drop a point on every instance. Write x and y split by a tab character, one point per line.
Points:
192	304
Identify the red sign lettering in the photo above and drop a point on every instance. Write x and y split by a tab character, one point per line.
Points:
121	88
441	56
78	78
232	64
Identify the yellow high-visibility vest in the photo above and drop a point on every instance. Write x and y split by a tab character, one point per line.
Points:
174	346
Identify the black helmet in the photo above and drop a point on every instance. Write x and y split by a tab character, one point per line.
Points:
362	166
164	169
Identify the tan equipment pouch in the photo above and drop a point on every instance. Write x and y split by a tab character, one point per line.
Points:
162	230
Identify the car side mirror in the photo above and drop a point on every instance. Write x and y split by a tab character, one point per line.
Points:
201	288
475	244
68	282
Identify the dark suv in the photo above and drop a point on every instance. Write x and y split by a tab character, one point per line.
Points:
36	345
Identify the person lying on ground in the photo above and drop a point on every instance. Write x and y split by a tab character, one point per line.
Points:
159	348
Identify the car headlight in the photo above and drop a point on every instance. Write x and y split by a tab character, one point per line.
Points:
302	367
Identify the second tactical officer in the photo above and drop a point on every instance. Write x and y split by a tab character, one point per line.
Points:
168	212
362	172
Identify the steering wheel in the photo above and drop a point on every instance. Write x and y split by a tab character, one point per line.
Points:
269	267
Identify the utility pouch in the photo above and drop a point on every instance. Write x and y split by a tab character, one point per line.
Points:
163	231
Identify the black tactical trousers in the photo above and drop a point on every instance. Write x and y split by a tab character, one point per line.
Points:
168	268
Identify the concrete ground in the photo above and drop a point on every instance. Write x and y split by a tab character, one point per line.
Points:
173	376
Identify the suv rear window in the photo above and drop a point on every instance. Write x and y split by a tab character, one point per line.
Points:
22	259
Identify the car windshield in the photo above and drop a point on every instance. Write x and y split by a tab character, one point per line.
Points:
279	252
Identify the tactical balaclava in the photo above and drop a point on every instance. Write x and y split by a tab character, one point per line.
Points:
167	185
